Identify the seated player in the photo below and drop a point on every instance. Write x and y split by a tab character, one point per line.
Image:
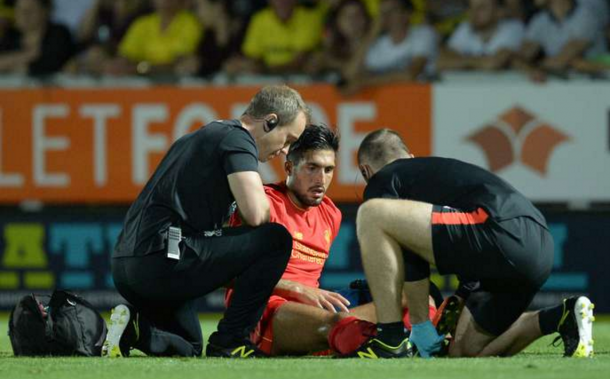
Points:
300	317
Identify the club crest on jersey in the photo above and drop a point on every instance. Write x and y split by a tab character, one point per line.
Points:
327	237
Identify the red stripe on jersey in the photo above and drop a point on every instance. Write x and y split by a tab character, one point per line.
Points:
460	218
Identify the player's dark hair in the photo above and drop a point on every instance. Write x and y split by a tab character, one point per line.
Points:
279	99
314	137
381	146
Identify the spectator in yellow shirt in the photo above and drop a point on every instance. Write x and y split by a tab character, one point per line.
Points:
278	39
444	15
155	43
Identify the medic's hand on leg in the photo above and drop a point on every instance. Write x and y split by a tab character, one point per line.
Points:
426	339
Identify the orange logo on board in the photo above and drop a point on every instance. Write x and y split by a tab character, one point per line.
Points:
518	136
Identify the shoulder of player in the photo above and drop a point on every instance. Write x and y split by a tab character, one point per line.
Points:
276	194
385	178
227	131
331	213
274	190
328	204
229	126
328	207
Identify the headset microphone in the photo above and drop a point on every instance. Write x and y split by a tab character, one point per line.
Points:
271	124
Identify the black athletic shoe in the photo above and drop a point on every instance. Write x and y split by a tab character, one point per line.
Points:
242	349
374	348
576	327
123	332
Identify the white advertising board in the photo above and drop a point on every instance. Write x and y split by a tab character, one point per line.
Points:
550	141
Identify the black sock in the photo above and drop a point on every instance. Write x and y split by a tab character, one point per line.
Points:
549	318
392	333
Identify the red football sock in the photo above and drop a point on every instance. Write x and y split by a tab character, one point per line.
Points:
405	315
349	334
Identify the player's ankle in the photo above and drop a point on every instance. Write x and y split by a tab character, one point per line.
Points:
392	333
549	318
349	334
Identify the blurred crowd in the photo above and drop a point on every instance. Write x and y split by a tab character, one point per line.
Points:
355	43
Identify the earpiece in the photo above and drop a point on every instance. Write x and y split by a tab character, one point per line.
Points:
271	124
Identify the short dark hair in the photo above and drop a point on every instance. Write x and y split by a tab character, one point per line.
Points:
314	137
381	146
279	99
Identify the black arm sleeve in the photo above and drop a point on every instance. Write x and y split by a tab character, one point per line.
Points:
239	152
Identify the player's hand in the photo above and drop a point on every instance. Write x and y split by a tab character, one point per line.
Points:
331	301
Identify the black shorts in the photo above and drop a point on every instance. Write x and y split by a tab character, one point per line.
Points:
511	259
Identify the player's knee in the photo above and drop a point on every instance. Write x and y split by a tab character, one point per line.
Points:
279	238
368	215
459	349
456	351
369	209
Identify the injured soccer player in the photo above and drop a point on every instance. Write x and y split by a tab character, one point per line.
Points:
300	317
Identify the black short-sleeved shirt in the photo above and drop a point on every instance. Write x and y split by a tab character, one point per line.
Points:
189	188
453	183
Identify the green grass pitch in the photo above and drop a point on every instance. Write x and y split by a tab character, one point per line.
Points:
539	361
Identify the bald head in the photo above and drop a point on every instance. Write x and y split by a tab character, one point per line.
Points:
380	148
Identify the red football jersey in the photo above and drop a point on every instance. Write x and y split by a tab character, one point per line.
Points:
313	230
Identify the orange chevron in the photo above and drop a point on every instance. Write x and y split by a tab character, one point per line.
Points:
538	147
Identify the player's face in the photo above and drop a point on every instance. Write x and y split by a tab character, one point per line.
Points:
277	141
309	180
